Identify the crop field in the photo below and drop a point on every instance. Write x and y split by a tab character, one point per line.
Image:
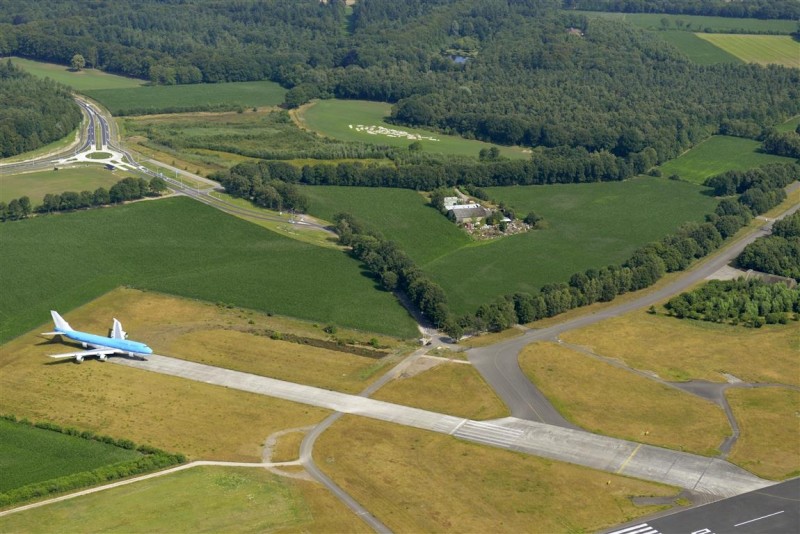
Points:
716	155
341	119
37	184
642	410
761	49
698	50
382	466
182	247
29	455
201	499
84	80
401	215
588	225
200	97
699	23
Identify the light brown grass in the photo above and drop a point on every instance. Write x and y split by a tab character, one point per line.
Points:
451	388
287	447
491	338
769	419
417	481
680	349
607	400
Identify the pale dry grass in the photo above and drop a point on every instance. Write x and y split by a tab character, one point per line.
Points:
681	349
417	481
451	388
607	400
769	419
287	447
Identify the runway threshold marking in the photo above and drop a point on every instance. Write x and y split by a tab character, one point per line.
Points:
629	458
758	518
642	528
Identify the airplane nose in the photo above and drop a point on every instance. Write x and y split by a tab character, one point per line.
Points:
147	350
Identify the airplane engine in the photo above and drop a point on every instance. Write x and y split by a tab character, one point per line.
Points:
84	345
132	355
79	359
102	357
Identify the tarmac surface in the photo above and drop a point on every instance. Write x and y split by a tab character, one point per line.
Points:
697	473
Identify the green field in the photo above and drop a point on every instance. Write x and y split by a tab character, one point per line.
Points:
334	118
761	49
202	499
653	21
400	215
197	97
37	184
589	225
182	247
29	455
716	155
790	125
85	80
698	50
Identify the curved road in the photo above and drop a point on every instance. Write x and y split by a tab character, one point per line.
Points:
499	364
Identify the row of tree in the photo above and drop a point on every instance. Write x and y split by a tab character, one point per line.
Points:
124	190
151	460
759	9
34	113
269	184
778	253
748	302
783	144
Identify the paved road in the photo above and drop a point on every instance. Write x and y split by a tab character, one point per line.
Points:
775	509
705	475
499	365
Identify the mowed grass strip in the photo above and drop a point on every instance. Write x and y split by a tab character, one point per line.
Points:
29	455
182	247
201	499
608	400
716	155
401	215
339	119
83	80
681	349
761	49
451	388
698	50
588	226
417	481
200	420
768	419
173	98
37	184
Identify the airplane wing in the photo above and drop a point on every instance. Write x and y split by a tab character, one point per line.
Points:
81	353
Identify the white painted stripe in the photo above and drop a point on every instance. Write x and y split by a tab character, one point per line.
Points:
629	529
642	528
758	518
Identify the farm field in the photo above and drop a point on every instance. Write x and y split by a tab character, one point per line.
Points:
761	49
340	118
641	410
85	80
697	49
29	455
401	215
768	421
195	97
716	155
37	184
467	394
382	466
588	225
680	350
201	499
699	23
182	247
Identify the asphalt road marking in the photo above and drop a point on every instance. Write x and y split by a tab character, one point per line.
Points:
639	446
758	518
642	528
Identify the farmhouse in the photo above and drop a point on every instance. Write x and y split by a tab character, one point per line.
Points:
463	212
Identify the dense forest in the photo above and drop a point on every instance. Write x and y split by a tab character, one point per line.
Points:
34	112
524	77
778	253
758	9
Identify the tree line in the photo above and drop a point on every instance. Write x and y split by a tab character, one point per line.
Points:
151	460
34	112
758	9
778	253
126	189
269	184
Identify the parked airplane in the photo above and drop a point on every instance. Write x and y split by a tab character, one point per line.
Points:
102	346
